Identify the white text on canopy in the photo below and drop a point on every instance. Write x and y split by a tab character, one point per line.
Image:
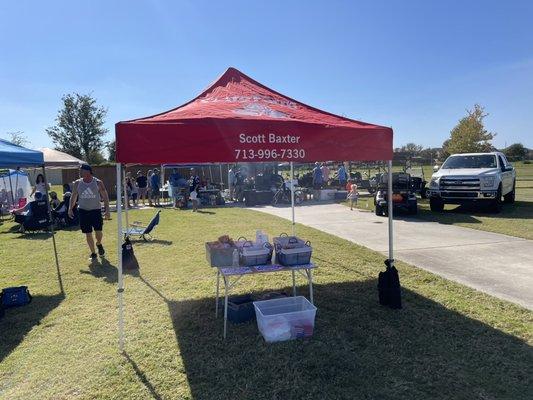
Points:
269	152
268	138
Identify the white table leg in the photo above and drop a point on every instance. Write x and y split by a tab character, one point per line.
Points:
225	305
218	291
310	277
293	283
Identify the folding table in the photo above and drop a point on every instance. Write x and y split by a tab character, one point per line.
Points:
232	275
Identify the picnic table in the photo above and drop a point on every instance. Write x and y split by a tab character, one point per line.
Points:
232	275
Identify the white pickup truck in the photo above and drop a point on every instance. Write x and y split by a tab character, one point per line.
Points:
482	178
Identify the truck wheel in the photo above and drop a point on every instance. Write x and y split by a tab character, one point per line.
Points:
413	209
496	205
509	197
436	204
424	193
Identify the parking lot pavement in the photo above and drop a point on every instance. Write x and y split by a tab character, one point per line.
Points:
493	263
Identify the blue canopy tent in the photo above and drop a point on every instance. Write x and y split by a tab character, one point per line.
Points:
14	156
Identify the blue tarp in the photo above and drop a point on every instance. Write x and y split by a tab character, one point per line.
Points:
12	155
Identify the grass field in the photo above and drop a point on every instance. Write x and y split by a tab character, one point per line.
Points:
515	219
448	341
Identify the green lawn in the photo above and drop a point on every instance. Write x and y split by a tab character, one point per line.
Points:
448	341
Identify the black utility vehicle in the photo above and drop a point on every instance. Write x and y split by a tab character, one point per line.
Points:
403	196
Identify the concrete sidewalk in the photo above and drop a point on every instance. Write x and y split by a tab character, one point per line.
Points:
496	264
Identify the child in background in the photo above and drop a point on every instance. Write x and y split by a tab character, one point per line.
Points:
194	199
353	195
54	201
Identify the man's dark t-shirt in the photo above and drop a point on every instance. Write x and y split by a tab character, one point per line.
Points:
142	182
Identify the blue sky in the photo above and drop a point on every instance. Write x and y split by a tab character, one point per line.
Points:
412	65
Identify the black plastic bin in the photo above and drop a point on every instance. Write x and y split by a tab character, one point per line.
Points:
240	308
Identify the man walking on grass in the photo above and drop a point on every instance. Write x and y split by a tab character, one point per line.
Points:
89	191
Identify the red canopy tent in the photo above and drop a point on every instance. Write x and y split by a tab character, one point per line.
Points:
237	113
237	119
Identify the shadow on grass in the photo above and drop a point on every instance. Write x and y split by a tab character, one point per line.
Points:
206	212
359	350
102	269
470	213
18	321
142	377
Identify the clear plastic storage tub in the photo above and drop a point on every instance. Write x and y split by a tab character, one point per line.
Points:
285	318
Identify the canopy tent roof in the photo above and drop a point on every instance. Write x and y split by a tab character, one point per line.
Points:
58	159
12	155
237	119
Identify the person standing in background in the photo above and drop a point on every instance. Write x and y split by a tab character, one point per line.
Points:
129	188
40	185
231	182
134	191
353	195
89	192
194	181
343	177
194	200
155	185
317	176
142	184
325	173
174	181
149	187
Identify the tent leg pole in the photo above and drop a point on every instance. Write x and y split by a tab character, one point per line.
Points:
52	230
17	182
292	198
126	198
120	289
11	186
390	208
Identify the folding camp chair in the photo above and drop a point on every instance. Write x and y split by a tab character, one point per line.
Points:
137	229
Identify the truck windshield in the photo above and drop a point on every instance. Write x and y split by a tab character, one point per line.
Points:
480	161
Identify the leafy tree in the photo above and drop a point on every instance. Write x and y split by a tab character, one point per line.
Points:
111	150
17	138
411	149
444	152
516	152
79	128
470	135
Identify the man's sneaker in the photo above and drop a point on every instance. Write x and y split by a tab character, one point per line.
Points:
93	256
101	250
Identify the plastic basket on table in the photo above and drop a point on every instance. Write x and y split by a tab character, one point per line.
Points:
219	256
251	253
291	250
285	318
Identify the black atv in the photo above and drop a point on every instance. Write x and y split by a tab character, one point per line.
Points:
403	196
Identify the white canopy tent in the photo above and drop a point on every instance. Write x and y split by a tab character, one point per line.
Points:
58	159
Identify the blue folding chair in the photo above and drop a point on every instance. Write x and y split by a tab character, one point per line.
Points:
144	232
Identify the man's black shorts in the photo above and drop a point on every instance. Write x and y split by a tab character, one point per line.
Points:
90	219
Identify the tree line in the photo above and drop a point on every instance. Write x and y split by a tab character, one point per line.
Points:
79	131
